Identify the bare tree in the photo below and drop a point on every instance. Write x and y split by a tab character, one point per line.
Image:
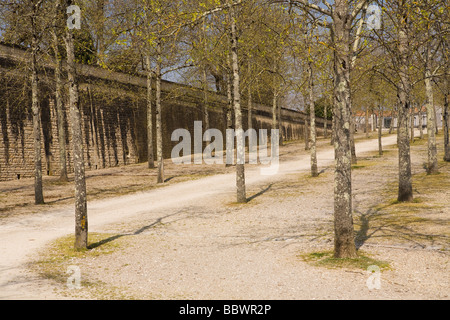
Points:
342	19
240	145
35	107
404	89
81	221
380	129
159	139
150	152
432	166
58	94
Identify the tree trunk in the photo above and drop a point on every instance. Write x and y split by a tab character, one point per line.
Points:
344	244
150	152
274	110
306	134
391	127
352	138
159	141
404	156
420	122
366	122
325	122
405	184
432	166
435	120
240	146
81	222
205	101
446	126
332	128
229	115
411	124
59	106
36	110
312	117
251	143
280	123
94	136
380	130
229	100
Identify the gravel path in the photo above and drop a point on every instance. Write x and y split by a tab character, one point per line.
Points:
190	241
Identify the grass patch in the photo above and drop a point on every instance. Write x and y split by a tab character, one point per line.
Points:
326	259
56	258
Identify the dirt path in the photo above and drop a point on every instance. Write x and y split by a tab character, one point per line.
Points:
194	217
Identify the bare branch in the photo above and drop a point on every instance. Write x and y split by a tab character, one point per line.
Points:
306	4
360	6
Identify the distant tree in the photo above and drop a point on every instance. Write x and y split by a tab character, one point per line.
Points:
35	107
323	106
56	33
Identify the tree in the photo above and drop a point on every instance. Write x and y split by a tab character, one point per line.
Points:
140	21
342	18
25	28
150	152
153	27
312	99
59	94
240	146
344	234
441	30
81	221
380	129
424	25
35	107
395	38
404	89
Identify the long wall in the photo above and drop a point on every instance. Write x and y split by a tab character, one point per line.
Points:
114	117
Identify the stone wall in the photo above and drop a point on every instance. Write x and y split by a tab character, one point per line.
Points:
114	120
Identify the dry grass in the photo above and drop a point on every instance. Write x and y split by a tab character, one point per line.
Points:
56	258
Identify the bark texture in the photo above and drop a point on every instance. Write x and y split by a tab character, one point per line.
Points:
150	152
240	146
404	88
446	125
159	140
432	166
344	245
312	117
380	130
81	221
36	111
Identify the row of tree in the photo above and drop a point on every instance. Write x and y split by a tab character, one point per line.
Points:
299	53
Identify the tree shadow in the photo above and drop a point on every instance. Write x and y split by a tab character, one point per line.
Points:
137	232
363	233
168	179
399	227
259	193
59	200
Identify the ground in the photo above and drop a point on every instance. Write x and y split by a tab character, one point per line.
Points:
189	239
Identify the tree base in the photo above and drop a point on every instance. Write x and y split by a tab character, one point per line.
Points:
345	251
